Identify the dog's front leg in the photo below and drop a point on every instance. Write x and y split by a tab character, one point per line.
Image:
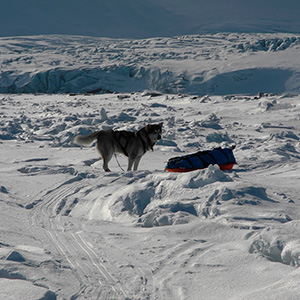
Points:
130	163
136	163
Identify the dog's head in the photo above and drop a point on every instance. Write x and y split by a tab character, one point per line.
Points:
154	132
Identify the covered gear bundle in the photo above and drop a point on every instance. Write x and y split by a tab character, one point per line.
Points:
224	158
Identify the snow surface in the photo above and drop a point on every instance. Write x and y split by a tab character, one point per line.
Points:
147	18
71	231
214	64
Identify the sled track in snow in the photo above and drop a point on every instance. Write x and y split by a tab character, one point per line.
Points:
95	282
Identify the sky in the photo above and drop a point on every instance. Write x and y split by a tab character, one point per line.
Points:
147	18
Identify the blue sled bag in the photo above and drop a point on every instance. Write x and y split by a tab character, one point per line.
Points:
224	158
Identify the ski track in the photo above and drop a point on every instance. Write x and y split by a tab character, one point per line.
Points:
171	257
94	273
94	279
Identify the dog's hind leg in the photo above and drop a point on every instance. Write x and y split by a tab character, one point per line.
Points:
106	154
106	159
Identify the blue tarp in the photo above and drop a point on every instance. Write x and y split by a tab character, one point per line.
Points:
202	159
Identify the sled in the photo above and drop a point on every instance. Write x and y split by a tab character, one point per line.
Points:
224	158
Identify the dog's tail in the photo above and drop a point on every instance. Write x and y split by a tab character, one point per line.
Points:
85	140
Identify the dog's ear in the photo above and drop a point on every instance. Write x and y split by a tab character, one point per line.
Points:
147	127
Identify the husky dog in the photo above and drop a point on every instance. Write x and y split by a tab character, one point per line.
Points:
132	144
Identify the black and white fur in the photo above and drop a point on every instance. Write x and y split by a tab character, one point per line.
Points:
132	144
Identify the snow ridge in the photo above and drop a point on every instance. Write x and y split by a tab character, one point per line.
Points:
208	64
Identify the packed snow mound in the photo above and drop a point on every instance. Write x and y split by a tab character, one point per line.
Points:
217	64
21	289
152	199
147	18
278	244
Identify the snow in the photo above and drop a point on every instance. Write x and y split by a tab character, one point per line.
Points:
20	289
214	64
216	74
71	231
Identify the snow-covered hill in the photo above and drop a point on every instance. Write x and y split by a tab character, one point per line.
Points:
71	231
147	18
217	64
